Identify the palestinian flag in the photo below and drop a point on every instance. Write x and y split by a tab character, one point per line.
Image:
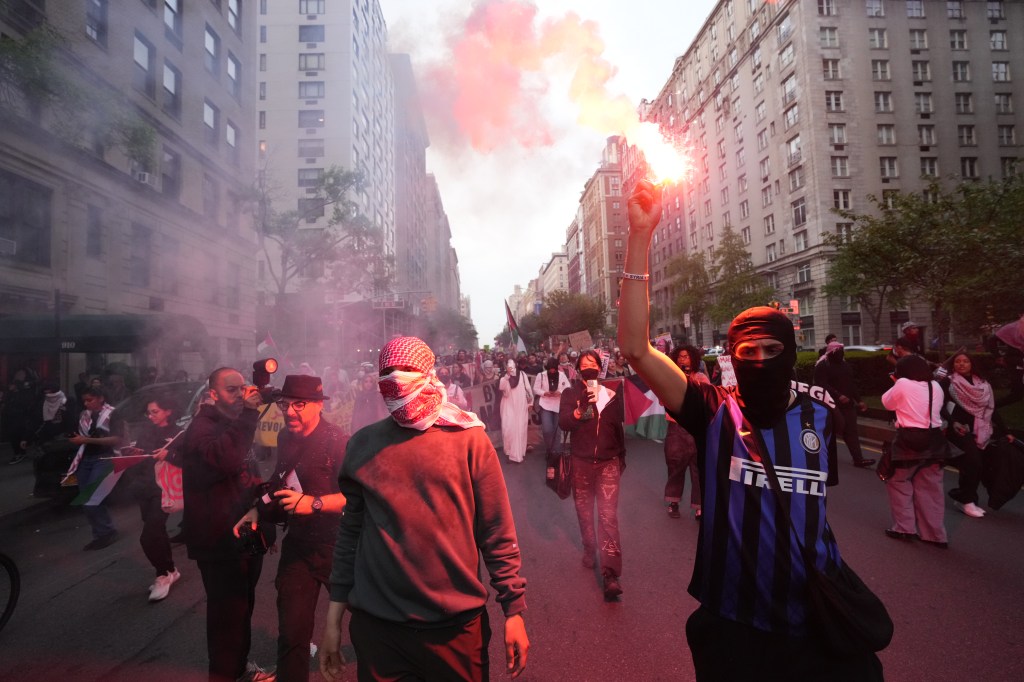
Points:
514	328
645	415
113	468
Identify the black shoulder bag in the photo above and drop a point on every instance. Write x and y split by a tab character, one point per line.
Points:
917	444
845	614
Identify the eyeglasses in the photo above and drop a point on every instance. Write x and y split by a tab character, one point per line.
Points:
283	405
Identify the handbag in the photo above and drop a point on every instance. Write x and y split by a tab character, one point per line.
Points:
848	618
559	473
913	443
168	477
885	468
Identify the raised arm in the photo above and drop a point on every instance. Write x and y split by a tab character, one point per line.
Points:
666	380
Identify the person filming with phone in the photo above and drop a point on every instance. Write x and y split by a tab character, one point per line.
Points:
592	414
302	493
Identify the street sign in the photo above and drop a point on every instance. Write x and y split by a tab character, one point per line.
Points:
388	305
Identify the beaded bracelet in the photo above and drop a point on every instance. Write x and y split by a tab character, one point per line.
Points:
639	278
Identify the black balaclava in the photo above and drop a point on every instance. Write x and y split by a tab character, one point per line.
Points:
551	365
591	373
764	386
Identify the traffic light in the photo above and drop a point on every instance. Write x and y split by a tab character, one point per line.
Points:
261	371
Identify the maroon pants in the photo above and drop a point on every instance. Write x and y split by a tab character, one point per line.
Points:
680	456
399	652
597	484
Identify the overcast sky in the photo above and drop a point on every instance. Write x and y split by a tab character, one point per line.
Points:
511	156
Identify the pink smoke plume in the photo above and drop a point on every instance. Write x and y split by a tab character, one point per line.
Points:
491	89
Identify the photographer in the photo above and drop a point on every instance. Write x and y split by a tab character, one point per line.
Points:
218	488
303	492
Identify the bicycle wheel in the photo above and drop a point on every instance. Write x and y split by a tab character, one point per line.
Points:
10	588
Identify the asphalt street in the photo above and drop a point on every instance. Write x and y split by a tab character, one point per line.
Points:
958	612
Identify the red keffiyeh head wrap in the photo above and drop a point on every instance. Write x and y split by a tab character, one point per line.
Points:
415	397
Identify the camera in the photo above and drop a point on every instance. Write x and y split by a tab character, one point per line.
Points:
251	542
261	371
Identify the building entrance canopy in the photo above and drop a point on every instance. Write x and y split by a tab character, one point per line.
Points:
100	333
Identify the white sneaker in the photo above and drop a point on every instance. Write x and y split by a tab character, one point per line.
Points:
970	509
162	585
254	673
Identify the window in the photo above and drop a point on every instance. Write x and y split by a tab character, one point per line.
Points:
918	39
965	136
796	178
926	135
211	197
955	10
310	177
311	89
311	34
1000	71
837	133
1007	136
883	101
141	249
96	20
741	157
709	231
25	218
793	150
744	209
921	70
769	224
234	76
878	39
263	90
211	122
762	140
172	19
211	56
958	39
915	9
172	90
880	70
829	36
875	8
969	166
766	197
830	69
769	253
94	231
263	34
827	8
845	231
145	80
961	72
834	100
234	20
758	83
760	111
170	174
799	208
803	273
231	137
888	167
800	240
787	56
886	134
310	61
311	148
1009	165
263	62
311	6
840	166
841	199
765	166
745	235
923	102
994	10
964	103
311	118
311	209
929	167
1004	103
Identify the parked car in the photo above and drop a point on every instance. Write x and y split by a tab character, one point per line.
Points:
868	349
714	352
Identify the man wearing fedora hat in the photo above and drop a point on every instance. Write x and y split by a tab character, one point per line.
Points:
309	456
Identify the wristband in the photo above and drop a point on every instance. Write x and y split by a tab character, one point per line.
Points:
639	278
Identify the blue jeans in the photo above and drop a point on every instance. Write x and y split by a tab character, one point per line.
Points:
88	471
552	434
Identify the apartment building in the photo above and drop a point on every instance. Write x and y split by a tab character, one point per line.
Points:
603	227
123	166
325	97
554	275
792	109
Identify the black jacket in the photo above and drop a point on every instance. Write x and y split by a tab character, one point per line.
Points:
217	483
598	438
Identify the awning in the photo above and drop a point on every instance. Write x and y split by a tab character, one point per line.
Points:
99	333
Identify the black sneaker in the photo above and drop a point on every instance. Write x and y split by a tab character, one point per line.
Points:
16	459
101	542
673	510
612	588
864	463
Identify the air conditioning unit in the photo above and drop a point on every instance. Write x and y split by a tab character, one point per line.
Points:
144	177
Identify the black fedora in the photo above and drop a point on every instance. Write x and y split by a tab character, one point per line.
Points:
302	387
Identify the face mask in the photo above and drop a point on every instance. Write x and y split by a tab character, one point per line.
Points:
590	374
511	370
764	385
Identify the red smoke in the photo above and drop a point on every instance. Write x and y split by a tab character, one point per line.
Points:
490	90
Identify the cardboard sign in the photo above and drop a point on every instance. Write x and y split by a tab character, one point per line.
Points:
581	340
